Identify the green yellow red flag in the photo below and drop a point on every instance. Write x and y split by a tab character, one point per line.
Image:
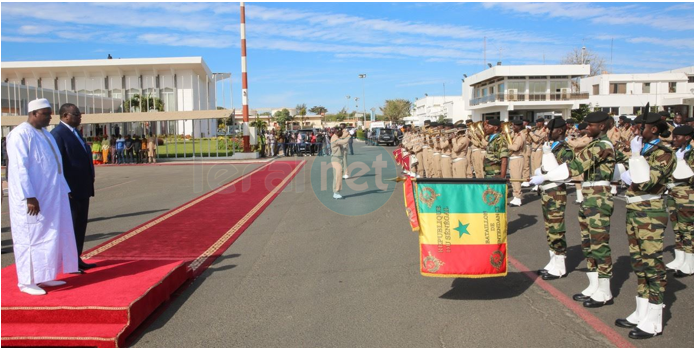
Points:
463	227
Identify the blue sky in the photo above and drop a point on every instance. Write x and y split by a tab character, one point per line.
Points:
312	53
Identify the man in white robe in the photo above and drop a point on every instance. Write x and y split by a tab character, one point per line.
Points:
42	233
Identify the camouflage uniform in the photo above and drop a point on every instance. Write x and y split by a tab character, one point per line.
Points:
646	222
495	152
596	210
680	205
554	201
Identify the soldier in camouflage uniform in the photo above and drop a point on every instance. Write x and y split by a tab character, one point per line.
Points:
646	221
497	154
596	163
680	205
554	200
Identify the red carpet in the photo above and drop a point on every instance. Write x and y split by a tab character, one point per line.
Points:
140	269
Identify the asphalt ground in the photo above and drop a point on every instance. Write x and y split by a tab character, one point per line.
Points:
304	275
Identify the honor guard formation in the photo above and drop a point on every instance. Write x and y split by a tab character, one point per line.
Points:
651	157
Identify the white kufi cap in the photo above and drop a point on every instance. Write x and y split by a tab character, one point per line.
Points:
38	104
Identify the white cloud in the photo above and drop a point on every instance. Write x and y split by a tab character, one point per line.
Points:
188	40
676	43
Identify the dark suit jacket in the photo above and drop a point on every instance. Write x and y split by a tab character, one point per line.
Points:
78	168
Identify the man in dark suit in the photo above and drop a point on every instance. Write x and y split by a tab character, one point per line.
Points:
78	171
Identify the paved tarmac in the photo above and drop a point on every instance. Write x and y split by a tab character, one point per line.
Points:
303	275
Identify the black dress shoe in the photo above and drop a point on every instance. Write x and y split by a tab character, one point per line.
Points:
639	334
680	274
542	271
591	303
85	266
623	323
79	271
580	297
549	276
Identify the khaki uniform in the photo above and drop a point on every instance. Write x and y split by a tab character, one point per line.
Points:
527	154
516	161
445	157
436	159
337	152
459	155
536	139
478	147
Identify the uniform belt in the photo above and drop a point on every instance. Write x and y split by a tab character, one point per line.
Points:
458	159
549	186
515	157
673	185
444	155
640	198
596	183
436	153
475	149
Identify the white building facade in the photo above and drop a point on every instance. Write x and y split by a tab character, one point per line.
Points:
627	94
524	92
451	108
109	86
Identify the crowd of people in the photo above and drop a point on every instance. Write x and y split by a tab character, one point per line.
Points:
120	149
651	156
300	142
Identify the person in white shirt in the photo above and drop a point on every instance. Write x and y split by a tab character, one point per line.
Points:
42	232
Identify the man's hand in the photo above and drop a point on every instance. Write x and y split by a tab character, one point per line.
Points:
537	180
680	154
606	153
636	145
33	206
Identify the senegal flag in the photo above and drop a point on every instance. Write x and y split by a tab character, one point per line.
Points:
463	227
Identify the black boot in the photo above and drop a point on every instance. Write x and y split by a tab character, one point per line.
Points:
581	297
623	323
637	333
591	303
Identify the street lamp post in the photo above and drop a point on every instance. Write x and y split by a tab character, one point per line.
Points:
364	110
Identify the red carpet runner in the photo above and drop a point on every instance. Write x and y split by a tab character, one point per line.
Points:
140	269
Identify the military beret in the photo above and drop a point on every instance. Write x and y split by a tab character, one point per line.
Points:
556	123
582	125
427	121
683	130
664	113
651	118
518	122
541	119
596	117
494	122
434	124
449	125
622	118
469	121
570	121
689	120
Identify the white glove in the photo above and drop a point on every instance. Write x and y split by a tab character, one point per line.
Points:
625	176
636	145
538	172
537	180
547	149
680	154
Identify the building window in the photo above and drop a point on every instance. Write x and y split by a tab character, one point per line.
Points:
690	79
611	110
556	87
537	87
618	88
168	99
484	91
646	88
671	87
500	88
595	89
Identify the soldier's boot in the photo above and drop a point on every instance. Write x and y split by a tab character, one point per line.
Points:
558	270
636	317
677	262
602	296
650	325
585	295
549	265
686	269
515	202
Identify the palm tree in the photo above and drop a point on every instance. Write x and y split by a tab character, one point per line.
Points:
133	104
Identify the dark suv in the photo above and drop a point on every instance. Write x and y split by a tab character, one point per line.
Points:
385	136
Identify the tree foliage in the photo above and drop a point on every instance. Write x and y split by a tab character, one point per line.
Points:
580	113
318	110
396	109
595	61
282	117
133	104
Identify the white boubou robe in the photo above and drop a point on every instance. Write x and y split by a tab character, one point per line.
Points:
44	245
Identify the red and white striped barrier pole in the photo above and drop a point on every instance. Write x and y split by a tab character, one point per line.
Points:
244	82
